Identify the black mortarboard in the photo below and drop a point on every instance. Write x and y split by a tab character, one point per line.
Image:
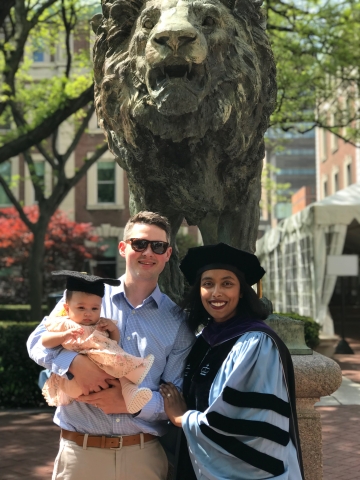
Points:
221	256
82	282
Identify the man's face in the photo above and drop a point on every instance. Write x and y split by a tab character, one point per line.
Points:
146	265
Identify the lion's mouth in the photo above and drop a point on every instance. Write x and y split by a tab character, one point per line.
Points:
192	75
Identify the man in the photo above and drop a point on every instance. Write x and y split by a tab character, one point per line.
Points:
113	444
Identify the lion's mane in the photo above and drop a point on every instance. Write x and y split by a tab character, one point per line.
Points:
242	99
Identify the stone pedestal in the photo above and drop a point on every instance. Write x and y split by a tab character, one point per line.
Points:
316	376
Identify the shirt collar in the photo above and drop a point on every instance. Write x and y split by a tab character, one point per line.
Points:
156	295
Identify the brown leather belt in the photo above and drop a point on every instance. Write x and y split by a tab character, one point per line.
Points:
101	441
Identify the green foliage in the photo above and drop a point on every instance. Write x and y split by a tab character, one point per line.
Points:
18	373
316	48
17	313
273	192
65	73
184	242
312	328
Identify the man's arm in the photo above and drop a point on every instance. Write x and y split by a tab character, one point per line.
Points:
111	400
173	372
61	361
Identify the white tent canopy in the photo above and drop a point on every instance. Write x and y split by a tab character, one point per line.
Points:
294	255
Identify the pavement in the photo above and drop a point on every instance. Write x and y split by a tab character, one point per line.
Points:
29	439
340	418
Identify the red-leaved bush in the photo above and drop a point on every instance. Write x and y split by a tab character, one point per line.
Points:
66	245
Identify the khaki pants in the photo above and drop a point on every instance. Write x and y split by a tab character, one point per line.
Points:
128	463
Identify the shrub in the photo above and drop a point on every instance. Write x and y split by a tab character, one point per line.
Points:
68	246
311	330
18	313
184	242
18	373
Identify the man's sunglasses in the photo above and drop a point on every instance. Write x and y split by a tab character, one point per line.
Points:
140	245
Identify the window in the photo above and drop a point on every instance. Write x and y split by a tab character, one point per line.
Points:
40	173
38	56
106	182
106	262
348	171
5	172
94	126
323	145
297	151
334	139
336	182
296	171
334	142
43	176
348	174
325	188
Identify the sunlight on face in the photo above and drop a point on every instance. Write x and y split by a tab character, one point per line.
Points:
220	293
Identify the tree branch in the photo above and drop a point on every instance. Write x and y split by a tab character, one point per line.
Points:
69	26
5	7
16	204
39	11
39	194
88	162
64	185
47	156
46	127
79	133
56	153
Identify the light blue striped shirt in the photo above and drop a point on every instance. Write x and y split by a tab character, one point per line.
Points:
152	327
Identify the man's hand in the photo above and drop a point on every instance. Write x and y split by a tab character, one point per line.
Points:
109	401
89	376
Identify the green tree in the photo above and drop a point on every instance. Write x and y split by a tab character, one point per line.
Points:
273	191
316	44
36	109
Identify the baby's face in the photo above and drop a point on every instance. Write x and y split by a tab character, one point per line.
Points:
84	308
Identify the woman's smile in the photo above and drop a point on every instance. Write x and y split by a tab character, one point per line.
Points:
218	305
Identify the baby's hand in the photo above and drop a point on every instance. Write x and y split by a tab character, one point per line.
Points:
104	324
73	333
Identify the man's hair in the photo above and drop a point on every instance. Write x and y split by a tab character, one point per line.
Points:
148	218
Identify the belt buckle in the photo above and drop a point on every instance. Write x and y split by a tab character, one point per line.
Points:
120	442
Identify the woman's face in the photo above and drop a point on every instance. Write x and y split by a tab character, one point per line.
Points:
220	293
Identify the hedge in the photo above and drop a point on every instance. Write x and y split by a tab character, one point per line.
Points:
18	373
18	313
312	328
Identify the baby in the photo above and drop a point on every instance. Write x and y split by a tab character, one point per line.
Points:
79	327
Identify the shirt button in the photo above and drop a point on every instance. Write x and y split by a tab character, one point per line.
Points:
129	338
118	420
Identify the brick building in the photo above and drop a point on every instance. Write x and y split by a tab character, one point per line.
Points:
337	164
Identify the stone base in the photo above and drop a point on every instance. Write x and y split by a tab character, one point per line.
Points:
315	376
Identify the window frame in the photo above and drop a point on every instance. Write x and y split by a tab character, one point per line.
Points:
92	184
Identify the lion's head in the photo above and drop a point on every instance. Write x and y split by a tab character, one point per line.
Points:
183	67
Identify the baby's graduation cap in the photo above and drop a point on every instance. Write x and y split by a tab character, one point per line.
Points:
221	256
83	282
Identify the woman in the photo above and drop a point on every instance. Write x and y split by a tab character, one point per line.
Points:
238	410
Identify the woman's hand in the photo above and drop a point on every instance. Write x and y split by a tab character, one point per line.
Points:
174	403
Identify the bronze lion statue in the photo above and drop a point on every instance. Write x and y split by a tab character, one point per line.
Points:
184	91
